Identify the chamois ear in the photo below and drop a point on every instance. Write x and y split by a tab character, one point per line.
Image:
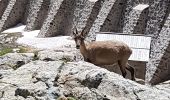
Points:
75	32
84	33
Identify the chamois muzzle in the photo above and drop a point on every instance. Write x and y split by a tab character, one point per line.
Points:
77	47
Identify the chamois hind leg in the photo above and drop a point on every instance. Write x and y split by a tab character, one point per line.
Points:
122	68
131	70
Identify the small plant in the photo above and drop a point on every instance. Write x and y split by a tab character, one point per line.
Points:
5	51
71	98
66	98
65	59
23	50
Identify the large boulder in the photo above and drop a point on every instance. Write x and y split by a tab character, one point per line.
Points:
42	80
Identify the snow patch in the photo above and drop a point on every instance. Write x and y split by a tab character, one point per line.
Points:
30	39
93	0
17	28
141	7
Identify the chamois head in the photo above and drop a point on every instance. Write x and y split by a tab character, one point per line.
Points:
79	37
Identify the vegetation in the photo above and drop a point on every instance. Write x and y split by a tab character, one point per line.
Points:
5	51
66	98
22	49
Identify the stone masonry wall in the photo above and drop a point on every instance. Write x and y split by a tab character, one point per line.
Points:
158	17
13	14
36	14
136	22
141	24
100	20
158	68
3	5
59	19
157	13
82	13
111	23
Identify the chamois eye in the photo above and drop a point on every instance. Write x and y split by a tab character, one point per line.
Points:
82	37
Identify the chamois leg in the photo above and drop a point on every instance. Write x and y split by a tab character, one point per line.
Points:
122	68
131	70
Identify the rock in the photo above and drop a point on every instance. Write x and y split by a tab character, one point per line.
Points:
64	54
15	60
8	40
164	86
32	80
37	90
12	61
41	80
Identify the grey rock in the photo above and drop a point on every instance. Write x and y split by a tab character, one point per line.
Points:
165	86
8	40
80	80
60	54
15	60
28	81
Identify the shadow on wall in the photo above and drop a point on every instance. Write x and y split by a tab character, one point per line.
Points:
13	13
162	72
94	13
65	25
166	17
40	16
3	6
112	22
141	24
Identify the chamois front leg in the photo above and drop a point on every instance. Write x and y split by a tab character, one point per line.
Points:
86	59
132	71
122	68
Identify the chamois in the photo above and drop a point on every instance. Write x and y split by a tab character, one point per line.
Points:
105	52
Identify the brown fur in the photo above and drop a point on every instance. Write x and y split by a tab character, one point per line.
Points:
106	53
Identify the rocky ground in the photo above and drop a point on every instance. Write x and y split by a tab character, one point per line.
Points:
59	75
8	40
